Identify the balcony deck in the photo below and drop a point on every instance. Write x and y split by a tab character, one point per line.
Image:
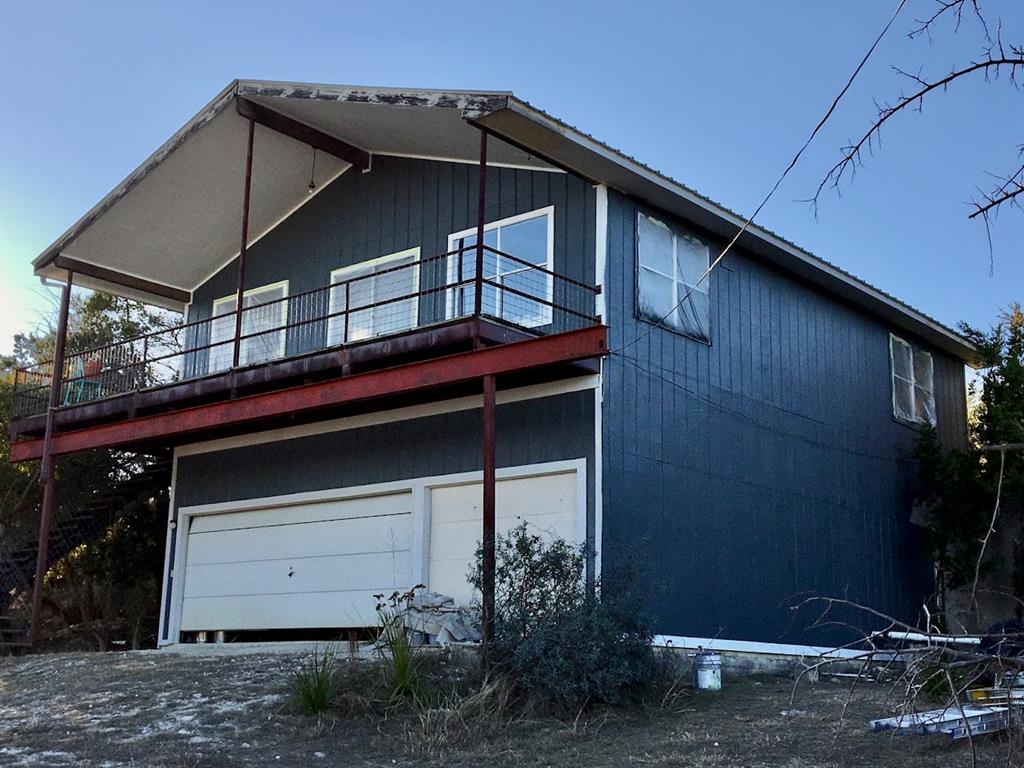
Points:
318	337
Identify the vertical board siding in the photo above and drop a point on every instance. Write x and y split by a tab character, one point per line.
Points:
762	466
404	203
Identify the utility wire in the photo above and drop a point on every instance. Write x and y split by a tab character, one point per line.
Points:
756	422
778	183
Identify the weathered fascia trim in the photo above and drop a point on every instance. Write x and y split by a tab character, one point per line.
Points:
468	403
219	103
682	643
473	104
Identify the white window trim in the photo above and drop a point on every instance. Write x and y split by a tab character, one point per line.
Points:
337	277
703	287
915	418
233	298
453	240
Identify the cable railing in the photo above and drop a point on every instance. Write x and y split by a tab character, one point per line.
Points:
372	303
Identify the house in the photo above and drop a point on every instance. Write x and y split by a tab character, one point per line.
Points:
392	375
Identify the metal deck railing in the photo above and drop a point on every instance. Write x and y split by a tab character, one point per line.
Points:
366	306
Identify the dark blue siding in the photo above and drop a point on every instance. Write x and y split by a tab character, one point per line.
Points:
404	203
764	465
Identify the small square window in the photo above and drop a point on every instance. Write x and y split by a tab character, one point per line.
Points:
670	265
913	386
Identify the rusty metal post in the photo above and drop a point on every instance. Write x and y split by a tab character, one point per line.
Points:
480	220
487	575
46	467
240	292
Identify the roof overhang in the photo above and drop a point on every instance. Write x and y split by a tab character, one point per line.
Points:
175	220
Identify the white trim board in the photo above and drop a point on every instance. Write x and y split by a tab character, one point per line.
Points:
601	250
465	161
750	646
171	525
419	487
468	403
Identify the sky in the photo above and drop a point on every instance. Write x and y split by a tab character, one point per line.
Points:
718	95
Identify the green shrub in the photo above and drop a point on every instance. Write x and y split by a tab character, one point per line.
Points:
562	642
400	656
314	684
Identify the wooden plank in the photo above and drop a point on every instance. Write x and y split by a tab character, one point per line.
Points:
307	134
119	278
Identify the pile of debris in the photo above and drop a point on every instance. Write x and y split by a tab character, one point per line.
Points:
440	620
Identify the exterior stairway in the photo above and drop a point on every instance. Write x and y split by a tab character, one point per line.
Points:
18	559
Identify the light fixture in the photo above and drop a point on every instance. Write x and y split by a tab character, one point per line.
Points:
312	173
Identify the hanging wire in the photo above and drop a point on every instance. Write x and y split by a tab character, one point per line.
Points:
312	174
778	183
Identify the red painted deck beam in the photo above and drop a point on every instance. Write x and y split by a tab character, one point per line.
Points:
414	377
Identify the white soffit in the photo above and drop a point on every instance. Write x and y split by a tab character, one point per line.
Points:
183	219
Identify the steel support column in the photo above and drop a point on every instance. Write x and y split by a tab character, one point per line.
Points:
46	467
240	291
488	565
481	201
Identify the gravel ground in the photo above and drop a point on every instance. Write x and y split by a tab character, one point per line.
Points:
161	709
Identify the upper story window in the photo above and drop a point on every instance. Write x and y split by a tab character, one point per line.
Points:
670	263
913	386
378	297
520	245
264	315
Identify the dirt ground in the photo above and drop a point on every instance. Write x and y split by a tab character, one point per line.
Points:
159	709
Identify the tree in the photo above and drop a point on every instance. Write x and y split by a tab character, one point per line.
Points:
961	486
110	579
998	58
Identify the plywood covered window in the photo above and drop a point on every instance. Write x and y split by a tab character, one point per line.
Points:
264	315
913	382
381	295
670	264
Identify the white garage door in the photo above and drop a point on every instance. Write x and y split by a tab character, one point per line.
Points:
547	503
304	565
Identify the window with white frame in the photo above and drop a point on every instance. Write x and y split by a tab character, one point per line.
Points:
669	265
374	298
264	315
913	387
518	269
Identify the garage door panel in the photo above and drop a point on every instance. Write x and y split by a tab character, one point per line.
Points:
317	574
547	503
354	608
339	554
334	537
525	497
338	509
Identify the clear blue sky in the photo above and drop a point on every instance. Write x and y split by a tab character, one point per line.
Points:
716	94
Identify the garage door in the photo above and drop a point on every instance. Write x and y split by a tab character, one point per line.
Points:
307	565
547	503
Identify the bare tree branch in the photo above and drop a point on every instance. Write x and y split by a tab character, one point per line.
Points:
954	8
996	60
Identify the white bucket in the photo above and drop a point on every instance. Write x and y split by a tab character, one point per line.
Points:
707	671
